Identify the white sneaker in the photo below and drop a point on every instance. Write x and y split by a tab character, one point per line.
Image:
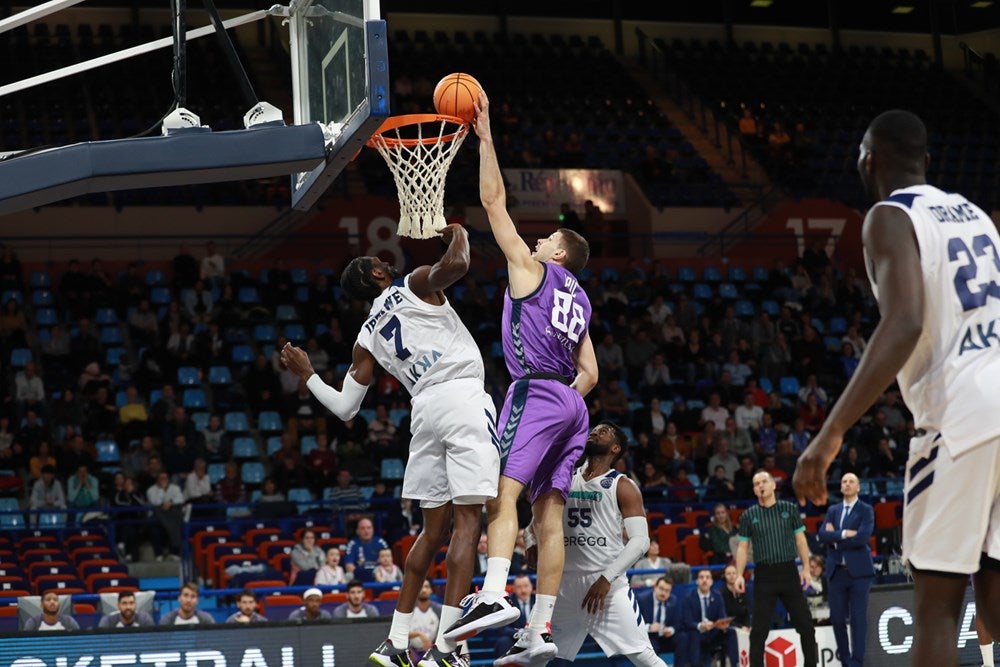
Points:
530	648
489	610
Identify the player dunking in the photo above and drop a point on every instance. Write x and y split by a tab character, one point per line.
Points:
544	420
934	263
595	597
414	333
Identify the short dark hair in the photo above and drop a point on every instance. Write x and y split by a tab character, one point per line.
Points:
902	134
124	595
357	281
246	592
191	586
577	250
621	437
665	579
355	583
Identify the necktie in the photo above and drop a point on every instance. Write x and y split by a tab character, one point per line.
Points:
704	608
659	613
843	516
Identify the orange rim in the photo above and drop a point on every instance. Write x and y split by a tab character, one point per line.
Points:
394	122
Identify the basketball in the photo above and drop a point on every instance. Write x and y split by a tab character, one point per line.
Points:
456	95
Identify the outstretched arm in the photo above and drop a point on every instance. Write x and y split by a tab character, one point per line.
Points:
586	366
345	404
426	280
524	272
894	254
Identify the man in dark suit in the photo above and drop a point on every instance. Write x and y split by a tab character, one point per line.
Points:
846	532
660	611
479	565
523	599
705	625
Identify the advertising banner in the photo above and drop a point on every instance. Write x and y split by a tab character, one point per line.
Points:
262	645
537	193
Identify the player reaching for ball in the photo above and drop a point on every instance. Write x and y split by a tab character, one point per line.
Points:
544	420
414	334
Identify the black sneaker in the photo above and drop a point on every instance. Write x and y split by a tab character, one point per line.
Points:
388	655
530	648
482	616
436	658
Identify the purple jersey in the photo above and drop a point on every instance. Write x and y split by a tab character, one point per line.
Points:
542	330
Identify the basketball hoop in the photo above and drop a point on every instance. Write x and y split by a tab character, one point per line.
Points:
419	149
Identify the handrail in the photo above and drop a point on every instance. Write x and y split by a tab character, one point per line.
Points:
742	225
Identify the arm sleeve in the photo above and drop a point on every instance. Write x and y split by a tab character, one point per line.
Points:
635	548
345	404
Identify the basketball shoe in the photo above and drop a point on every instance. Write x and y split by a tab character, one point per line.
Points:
489	610
388	655
531	647
436	658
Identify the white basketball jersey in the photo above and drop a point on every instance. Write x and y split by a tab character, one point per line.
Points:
950	381
592	522
420	344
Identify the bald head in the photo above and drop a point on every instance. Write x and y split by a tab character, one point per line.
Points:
850	487
901	134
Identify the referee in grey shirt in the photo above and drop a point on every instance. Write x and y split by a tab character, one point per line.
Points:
778	535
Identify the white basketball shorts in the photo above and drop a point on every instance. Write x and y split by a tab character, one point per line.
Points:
618	630
454	452
951	510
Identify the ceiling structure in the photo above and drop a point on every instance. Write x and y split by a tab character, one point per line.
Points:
954	17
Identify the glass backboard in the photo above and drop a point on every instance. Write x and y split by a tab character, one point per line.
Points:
340	77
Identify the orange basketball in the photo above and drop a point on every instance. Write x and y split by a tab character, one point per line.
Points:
456	95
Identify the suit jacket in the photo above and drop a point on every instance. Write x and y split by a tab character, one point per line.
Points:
690	609
856	551
646	608
516	603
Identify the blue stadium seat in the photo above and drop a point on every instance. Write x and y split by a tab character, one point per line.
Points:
252	472
195	399
46	317
686	274
838	326
121	399
744	308
397	415
245	448
188	376
759	274
702	291
609	274
42	297
295	332
788	385
265	333
114	355
160	296
728	291
52	520
302	294
392	469
269	421
368	414
248	296
219	376
770	306
200	420
40	280
242	354
19	356
105	316
832	343
111	335
155	278
9	294
307	443
711	274
299	276
107	452
216	471
272	445
236	422
286	313
736	274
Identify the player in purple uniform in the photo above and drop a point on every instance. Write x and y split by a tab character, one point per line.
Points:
544	420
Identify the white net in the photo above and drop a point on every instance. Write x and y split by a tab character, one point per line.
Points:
419	165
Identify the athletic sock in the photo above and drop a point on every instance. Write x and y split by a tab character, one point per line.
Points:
448	617
399	631
497	570
987	651
541	613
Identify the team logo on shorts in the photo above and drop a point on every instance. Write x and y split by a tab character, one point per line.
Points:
606	482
